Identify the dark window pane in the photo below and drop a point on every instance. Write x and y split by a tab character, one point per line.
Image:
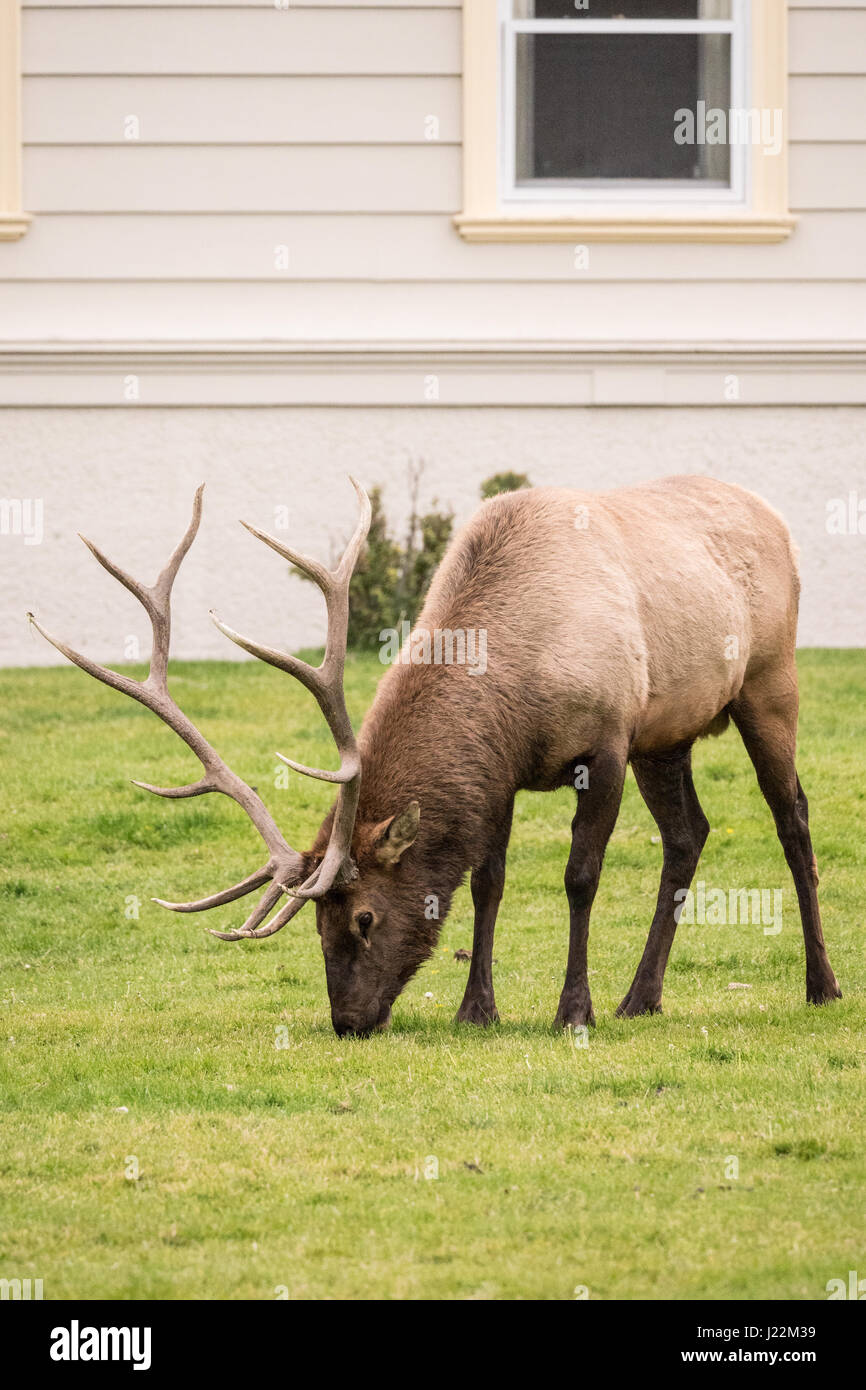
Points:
602	106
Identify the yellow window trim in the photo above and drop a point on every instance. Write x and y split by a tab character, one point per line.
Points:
484	218
13	220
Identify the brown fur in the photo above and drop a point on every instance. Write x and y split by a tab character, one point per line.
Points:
626	638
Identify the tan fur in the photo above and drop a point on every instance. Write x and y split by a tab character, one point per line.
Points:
617	627
624	623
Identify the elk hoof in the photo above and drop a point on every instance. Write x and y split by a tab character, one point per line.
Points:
823	992
636	1004
478	1011
575	1016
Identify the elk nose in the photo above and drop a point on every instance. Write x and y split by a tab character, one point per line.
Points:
346	1026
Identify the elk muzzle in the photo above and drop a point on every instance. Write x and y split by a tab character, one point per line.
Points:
360	1023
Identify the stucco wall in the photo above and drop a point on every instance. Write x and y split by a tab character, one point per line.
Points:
126	478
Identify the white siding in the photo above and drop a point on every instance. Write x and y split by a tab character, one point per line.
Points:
306	127
401	247
261	110
262	40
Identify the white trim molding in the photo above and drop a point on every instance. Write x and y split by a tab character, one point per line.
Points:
489	214
431	375
13	220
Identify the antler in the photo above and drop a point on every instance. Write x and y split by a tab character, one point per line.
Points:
325	682
285	865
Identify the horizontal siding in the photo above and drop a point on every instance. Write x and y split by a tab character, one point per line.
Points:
328	178
399	247
828	176
308	128
128	41
270	4
827	41
353	40
183	178
827	108
362	312
338	4
317	110
240	110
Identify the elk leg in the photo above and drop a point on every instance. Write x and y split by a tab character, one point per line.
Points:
597	810
765	712
487	883
666	785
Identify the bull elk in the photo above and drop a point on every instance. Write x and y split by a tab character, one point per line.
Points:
620	627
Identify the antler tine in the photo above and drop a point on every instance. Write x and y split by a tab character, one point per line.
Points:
155	598
306	674
334	584
192	789
325	683
228	895
285	865
127	684
326	579
353	549
141	591
342	774
276	924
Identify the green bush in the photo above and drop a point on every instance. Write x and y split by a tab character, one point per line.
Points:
391	579
503	482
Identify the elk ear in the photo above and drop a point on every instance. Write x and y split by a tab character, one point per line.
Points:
397	834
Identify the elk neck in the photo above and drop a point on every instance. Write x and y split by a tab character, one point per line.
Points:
451	741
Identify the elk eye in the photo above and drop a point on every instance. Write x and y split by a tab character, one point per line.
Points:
365	921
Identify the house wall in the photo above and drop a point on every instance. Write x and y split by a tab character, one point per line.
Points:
307	128
149	340
126	479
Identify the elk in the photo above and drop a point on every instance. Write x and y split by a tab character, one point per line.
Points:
620	627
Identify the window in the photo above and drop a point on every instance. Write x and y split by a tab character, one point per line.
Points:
13	222
625	119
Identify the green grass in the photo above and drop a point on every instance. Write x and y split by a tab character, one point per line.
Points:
303	1166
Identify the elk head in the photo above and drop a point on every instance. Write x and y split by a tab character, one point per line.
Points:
372	929
358	909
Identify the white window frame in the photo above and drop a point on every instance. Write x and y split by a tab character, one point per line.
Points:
632	191
755	208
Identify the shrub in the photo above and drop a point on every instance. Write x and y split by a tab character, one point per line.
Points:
391	579
503	482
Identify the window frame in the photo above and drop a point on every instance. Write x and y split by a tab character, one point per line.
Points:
626	190
13	220
754	208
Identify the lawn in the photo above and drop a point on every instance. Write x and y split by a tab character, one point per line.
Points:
179	1121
